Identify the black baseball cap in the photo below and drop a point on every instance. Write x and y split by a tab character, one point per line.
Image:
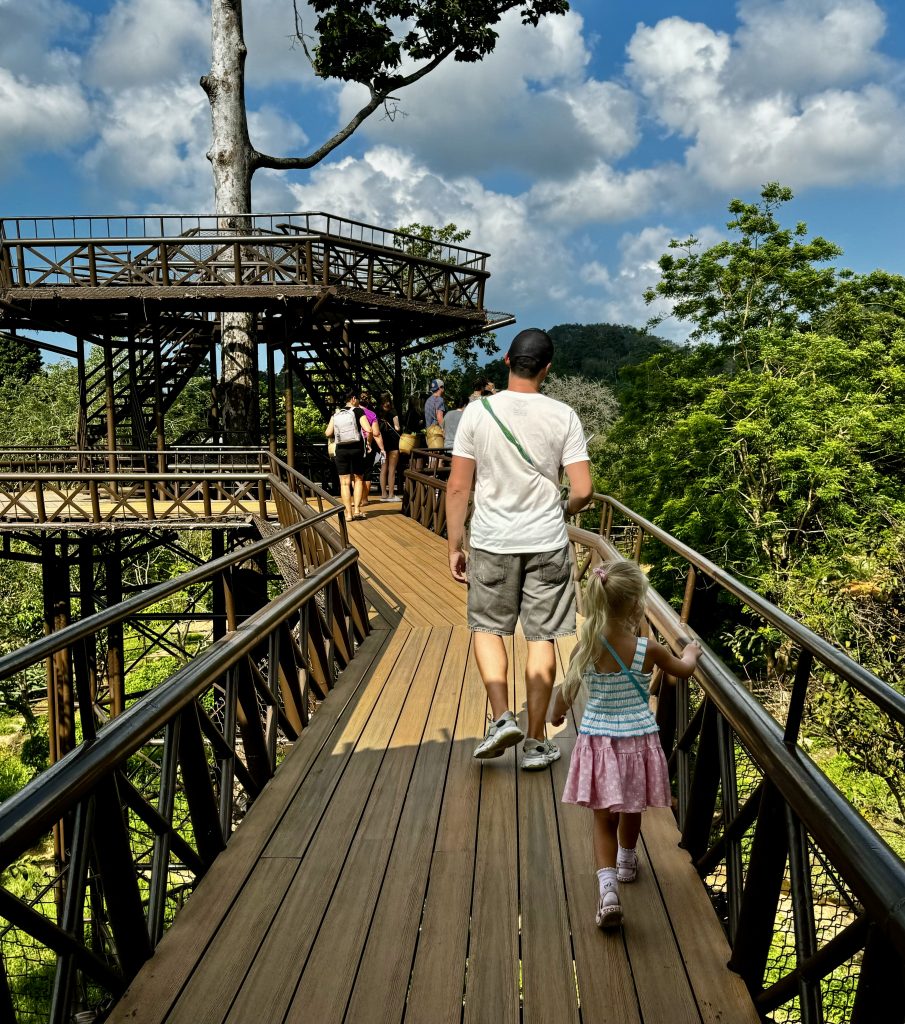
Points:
532	346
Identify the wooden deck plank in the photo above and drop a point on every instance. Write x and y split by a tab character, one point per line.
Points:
720	993
381	985
548	980
149	997
329	973
492	976
602	967
664	991
268	988
438	972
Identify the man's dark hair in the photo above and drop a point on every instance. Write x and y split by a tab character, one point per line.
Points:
480	383
531	350
350	394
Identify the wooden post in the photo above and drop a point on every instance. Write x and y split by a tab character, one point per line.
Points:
82	428
110	404
57	615
116	683
271	401
287	393
87	606
213	419
158	402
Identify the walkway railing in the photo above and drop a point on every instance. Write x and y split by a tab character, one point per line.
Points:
120	830
811	897
109	254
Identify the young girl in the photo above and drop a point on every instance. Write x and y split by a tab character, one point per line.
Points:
618	768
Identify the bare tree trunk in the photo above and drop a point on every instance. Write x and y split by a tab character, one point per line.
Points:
232	157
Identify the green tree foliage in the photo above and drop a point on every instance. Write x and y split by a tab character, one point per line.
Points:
19	362
370	42
41	411
766	278
778	449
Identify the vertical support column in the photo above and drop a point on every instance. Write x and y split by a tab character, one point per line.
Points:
116	683
158	399
271	402
397	375
110	403
82	427
290	409
218	594
88	606
57	615
213	416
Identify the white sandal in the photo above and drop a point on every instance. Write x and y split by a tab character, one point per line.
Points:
609	910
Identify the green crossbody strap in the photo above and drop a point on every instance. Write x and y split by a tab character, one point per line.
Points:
633	676
507	433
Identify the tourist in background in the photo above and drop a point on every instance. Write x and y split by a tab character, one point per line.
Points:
481	388
349	428
451	422
434	411
373	444
390	430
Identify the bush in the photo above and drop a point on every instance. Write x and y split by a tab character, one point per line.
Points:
13	775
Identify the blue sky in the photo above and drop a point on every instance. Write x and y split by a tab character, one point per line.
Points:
573	154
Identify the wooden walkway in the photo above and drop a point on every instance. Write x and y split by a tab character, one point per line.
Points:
384	875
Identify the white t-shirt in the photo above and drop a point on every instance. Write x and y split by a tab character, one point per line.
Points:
516	506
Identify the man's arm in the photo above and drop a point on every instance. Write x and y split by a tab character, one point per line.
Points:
458	491
581	488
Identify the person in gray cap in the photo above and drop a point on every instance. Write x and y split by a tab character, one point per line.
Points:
435	406
513	446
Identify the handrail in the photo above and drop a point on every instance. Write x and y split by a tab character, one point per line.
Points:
44	647
878	880
31	811
876	689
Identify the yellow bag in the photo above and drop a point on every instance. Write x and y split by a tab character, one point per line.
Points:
435	437
331	449
407	442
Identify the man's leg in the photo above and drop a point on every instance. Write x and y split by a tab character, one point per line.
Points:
540	671
493	664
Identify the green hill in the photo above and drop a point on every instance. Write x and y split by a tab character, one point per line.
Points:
599	351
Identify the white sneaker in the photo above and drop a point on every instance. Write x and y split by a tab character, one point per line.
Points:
627	871
538	754
500	734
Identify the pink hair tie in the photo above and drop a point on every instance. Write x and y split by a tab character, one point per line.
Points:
601	573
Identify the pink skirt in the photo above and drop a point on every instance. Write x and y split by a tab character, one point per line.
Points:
619	773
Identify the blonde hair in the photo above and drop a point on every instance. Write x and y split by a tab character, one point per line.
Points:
615	591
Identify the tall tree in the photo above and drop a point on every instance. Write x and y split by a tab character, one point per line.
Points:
366	42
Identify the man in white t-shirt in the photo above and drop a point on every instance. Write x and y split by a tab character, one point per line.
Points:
513	447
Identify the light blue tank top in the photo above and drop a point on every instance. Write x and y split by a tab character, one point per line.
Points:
614	706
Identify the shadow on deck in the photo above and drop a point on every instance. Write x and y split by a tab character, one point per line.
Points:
384	875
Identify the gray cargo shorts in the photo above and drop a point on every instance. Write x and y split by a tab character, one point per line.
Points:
535	588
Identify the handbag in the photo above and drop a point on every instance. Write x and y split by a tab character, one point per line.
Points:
435	437
407	441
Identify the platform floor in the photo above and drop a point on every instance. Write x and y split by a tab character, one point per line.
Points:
385	875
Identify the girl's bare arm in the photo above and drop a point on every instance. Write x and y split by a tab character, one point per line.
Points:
682	667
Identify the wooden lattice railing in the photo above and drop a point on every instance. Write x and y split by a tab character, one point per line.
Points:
269	251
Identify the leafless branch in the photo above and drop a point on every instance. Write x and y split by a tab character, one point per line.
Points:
378	97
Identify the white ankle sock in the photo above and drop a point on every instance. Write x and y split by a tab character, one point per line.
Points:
606	877
625	857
